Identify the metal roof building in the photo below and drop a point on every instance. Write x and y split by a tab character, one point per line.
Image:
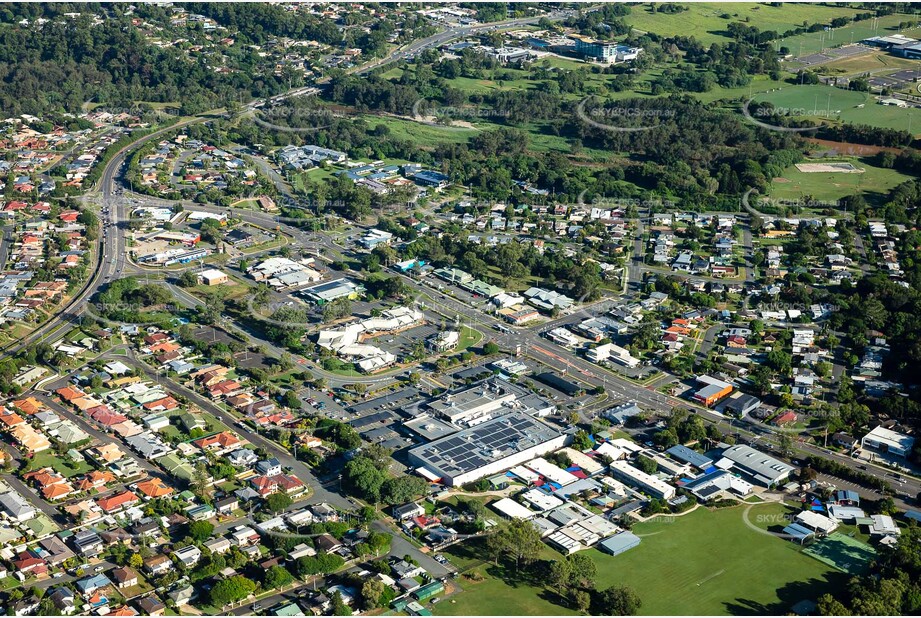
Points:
762	468
619	543
690	456
488	448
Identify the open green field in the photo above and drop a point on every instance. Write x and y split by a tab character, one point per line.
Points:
707	21
874	183
837	105
873	62
814	42
705	562
417	131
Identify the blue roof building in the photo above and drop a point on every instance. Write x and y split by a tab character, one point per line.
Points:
619	543
690	456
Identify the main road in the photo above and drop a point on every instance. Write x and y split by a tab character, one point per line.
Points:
457	32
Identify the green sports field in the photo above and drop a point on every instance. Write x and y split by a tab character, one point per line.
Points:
838	105
874	183
708	20
814	42
705	562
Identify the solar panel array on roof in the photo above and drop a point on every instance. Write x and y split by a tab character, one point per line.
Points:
478	446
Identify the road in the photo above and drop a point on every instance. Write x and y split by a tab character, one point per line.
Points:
411	50
113	244
545	351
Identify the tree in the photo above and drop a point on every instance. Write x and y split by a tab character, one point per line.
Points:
402	489
581	441
785	444
277	577
201	480
581	600
490	348
830	606
278	502
617	601
517	539
560	575
573	572
315	565
666	438
371	592
231	590
582	571
201	530
188	279
339	606
647	465
365	477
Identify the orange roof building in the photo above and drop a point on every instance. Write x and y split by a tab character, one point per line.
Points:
69	393
154	488
57	491
118	501
29	405
95	480
10	419
218	442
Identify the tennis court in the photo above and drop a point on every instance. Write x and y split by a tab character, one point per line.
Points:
842	552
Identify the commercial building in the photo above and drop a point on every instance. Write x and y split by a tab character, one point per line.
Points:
308	156
620	414
348	341
604	51
212	276
573	389
486	400
612	352
712	390
884	440
817	522
548	300
333	290
623	471
375	237
742	405
488	448
510	509
762	468
429	178
443	341
175	256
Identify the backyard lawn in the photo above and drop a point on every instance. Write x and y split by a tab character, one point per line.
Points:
705	562
59	463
